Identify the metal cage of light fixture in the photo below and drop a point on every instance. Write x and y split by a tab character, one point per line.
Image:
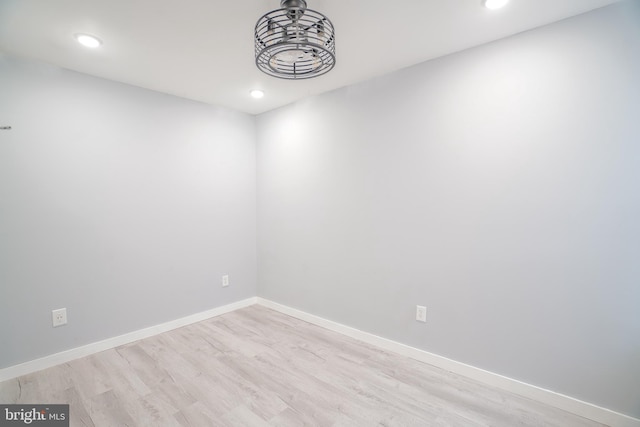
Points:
295	42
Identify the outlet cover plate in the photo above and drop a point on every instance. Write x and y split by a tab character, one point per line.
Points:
59	317
421	313
225	280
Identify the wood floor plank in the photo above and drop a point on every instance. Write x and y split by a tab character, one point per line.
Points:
106	410
257	367
10	391
196	415
243	416
77	409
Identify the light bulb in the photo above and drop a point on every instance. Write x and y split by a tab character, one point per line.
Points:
257	93
321	33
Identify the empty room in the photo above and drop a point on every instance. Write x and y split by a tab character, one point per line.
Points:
320	213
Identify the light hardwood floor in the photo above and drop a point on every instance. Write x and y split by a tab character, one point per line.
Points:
257	367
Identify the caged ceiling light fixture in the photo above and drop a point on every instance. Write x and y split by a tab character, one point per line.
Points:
294	42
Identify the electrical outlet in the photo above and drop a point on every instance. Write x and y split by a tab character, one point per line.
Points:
421	313
59	317
225	280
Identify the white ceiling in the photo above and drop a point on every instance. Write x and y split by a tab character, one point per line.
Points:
203	49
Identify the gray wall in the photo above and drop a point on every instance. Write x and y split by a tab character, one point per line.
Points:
123	205
498	186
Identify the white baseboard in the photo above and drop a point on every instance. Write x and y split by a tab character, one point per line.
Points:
567	403
86	350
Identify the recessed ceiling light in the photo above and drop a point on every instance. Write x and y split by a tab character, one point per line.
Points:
257	94
495	4
88	41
